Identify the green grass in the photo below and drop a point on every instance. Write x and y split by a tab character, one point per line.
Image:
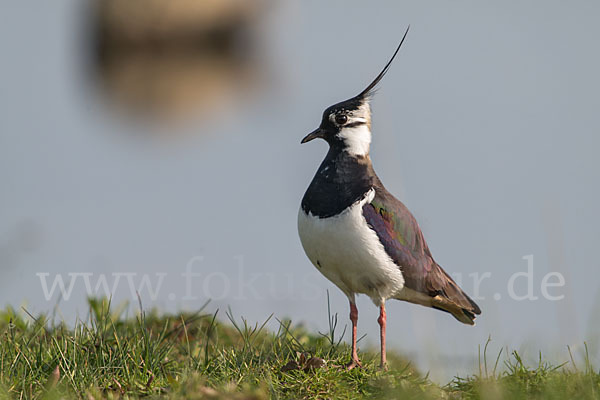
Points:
200	356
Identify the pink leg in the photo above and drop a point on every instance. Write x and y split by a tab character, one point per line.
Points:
355	362
382	321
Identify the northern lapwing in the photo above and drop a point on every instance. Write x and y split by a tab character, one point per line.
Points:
359	235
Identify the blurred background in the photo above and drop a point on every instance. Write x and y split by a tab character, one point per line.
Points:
147	139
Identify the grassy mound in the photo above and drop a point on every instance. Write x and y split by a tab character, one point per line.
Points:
197	356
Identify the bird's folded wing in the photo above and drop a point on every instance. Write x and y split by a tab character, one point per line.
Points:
403	240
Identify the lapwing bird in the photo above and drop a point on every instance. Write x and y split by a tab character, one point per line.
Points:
359	235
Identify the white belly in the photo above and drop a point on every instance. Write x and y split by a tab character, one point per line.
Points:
348	252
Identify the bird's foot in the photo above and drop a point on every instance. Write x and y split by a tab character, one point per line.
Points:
353	364
383	366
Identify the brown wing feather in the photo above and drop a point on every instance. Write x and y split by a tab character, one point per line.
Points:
403	240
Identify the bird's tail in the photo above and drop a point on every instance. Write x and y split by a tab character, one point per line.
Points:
455	301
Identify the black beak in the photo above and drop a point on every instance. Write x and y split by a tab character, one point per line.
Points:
317	133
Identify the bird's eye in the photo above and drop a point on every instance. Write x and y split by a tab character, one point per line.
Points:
341	119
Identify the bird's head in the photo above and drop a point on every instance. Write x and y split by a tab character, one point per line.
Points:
347	124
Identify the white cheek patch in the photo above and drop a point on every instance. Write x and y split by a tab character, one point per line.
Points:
357	139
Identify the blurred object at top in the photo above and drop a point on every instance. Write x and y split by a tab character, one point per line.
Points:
175	58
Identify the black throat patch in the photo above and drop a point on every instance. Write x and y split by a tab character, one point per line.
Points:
341	180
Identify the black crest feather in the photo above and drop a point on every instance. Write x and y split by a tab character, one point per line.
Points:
370	88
